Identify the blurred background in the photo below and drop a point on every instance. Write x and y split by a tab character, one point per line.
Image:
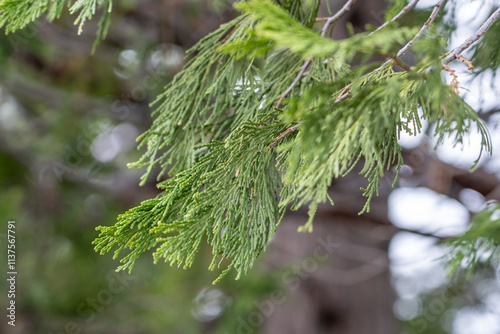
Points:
68	124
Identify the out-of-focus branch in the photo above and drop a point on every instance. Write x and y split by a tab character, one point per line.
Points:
472	39
399	15
432	18
333	19
425	27
295	82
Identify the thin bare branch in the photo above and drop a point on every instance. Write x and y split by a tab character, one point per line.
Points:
472	39
342	91
397	62
399	15
295	81
333	19
427	24
454	80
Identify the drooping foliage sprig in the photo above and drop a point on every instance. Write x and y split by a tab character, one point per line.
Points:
335	136
211	97
31	10
229	197
237	159
479	246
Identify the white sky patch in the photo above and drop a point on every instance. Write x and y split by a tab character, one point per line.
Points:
472	321
407	308
462	155
128	58
248	84
416	264
493	301
114	141
469	15
480	92
428	211
472	200
411	251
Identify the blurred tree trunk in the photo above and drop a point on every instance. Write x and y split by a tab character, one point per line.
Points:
339	280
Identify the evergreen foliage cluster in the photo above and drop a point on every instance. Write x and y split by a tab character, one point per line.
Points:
267	111
16	14
228	190
487	51
216	126
230	196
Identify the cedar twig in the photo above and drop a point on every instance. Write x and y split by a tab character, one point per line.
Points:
454	81
397	62
465	60
341	97
284	134
342	91
329	22
472	39
401	64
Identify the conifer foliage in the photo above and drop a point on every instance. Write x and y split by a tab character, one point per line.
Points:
16	14
268	111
